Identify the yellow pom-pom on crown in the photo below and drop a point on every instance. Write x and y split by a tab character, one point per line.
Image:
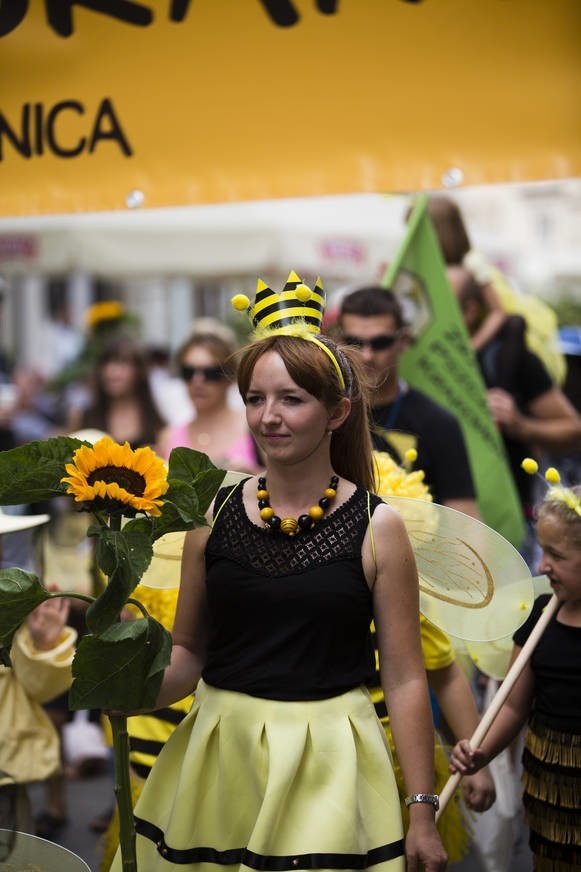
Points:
303	293
529	465
411	455
240	302
552	475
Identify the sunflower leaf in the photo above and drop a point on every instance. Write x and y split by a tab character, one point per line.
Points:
207	484
185	464
122	668
196	470
181	498
20	593
123	555
32	473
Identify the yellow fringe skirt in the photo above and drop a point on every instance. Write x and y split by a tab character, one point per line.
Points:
249	783
552	797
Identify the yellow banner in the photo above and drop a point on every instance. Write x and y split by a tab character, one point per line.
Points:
110	103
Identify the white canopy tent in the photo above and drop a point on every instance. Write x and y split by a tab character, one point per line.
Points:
160	259
336	236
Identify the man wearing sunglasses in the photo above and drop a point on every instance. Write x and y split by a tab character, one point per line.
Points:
372	321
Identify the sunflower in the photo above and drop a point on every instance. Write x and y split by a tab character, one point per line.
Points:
107	311
393	480
115	478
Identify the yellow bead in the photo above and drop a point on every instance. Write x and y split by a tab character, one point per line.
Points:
316	513
240	302
552	475
262	495
289	526
529	465
303	293
330	493
411	455
267	513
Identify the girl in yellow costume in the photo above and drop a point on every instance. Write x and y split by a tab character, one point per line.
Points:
446	679
281	762
148	733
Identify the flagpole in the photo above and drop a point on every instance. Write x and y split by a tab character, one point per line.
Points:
500	697
416	216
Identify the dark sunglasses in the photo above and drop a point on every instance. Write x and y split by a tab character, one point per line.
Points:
208	373
376	343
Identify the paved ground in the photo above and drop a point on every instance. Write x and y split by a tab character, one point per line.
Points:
88	797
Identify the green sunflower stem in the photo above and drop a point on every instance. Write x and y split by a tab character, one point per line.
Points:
127	838
123	792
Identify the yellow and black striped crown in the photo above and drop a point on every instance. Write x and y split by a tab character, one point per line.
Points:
295	306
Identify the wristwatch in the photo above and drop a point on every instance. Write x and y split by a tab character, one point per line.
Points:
429	798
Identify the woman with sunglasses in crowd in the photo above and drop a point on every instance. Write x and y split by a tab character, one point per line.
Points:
205	363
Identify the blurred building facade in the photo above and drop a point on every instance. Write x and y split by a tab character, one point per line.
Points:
172	265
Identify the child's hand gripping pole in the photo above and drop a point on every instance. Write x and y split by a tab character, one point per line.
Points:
501	695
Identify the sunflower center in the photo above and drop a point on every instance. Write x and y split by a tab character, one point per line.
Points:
130	480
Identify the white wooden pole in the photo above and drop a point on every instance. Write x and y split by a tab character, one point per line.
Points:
501	695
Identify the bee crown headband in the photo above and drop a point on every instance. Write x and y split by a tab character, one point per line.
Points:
296	311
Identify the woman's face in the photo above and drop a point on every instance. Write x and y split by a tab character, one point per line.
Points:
288	423
207	385
118	377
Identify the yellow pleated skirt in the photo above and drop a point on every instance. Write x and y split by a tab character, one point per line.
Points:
249	783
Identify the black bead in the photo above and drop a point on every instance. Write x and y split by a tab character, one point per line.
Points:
324	502
274	523
262	483
334	481
305	522
263	504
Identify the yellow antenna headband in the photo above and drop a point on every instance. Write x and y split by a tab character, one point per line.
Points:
296	311
556	491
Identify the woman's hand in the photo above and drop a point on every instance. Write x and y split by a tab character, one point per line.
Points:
46	622
423	846
466	760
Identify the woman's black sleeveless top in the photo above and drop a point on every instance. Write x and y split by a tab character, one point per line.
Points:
289	616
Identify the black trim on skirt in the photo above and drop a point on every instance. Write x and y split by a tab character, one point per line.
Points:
265	863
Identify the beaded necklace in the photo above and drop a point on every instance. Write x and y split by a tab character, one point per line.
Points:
292	526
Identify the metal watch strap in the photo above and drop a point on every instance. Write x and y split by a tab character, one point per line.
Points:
429	798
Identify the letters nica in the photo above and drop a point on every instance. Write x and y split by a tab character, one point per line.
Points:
39	130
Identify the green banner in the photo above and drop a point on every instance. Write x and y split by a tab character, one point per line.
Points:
441	363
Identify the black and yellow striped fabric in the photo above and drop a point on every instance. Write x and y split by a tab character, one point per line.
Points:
148	733
271	310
